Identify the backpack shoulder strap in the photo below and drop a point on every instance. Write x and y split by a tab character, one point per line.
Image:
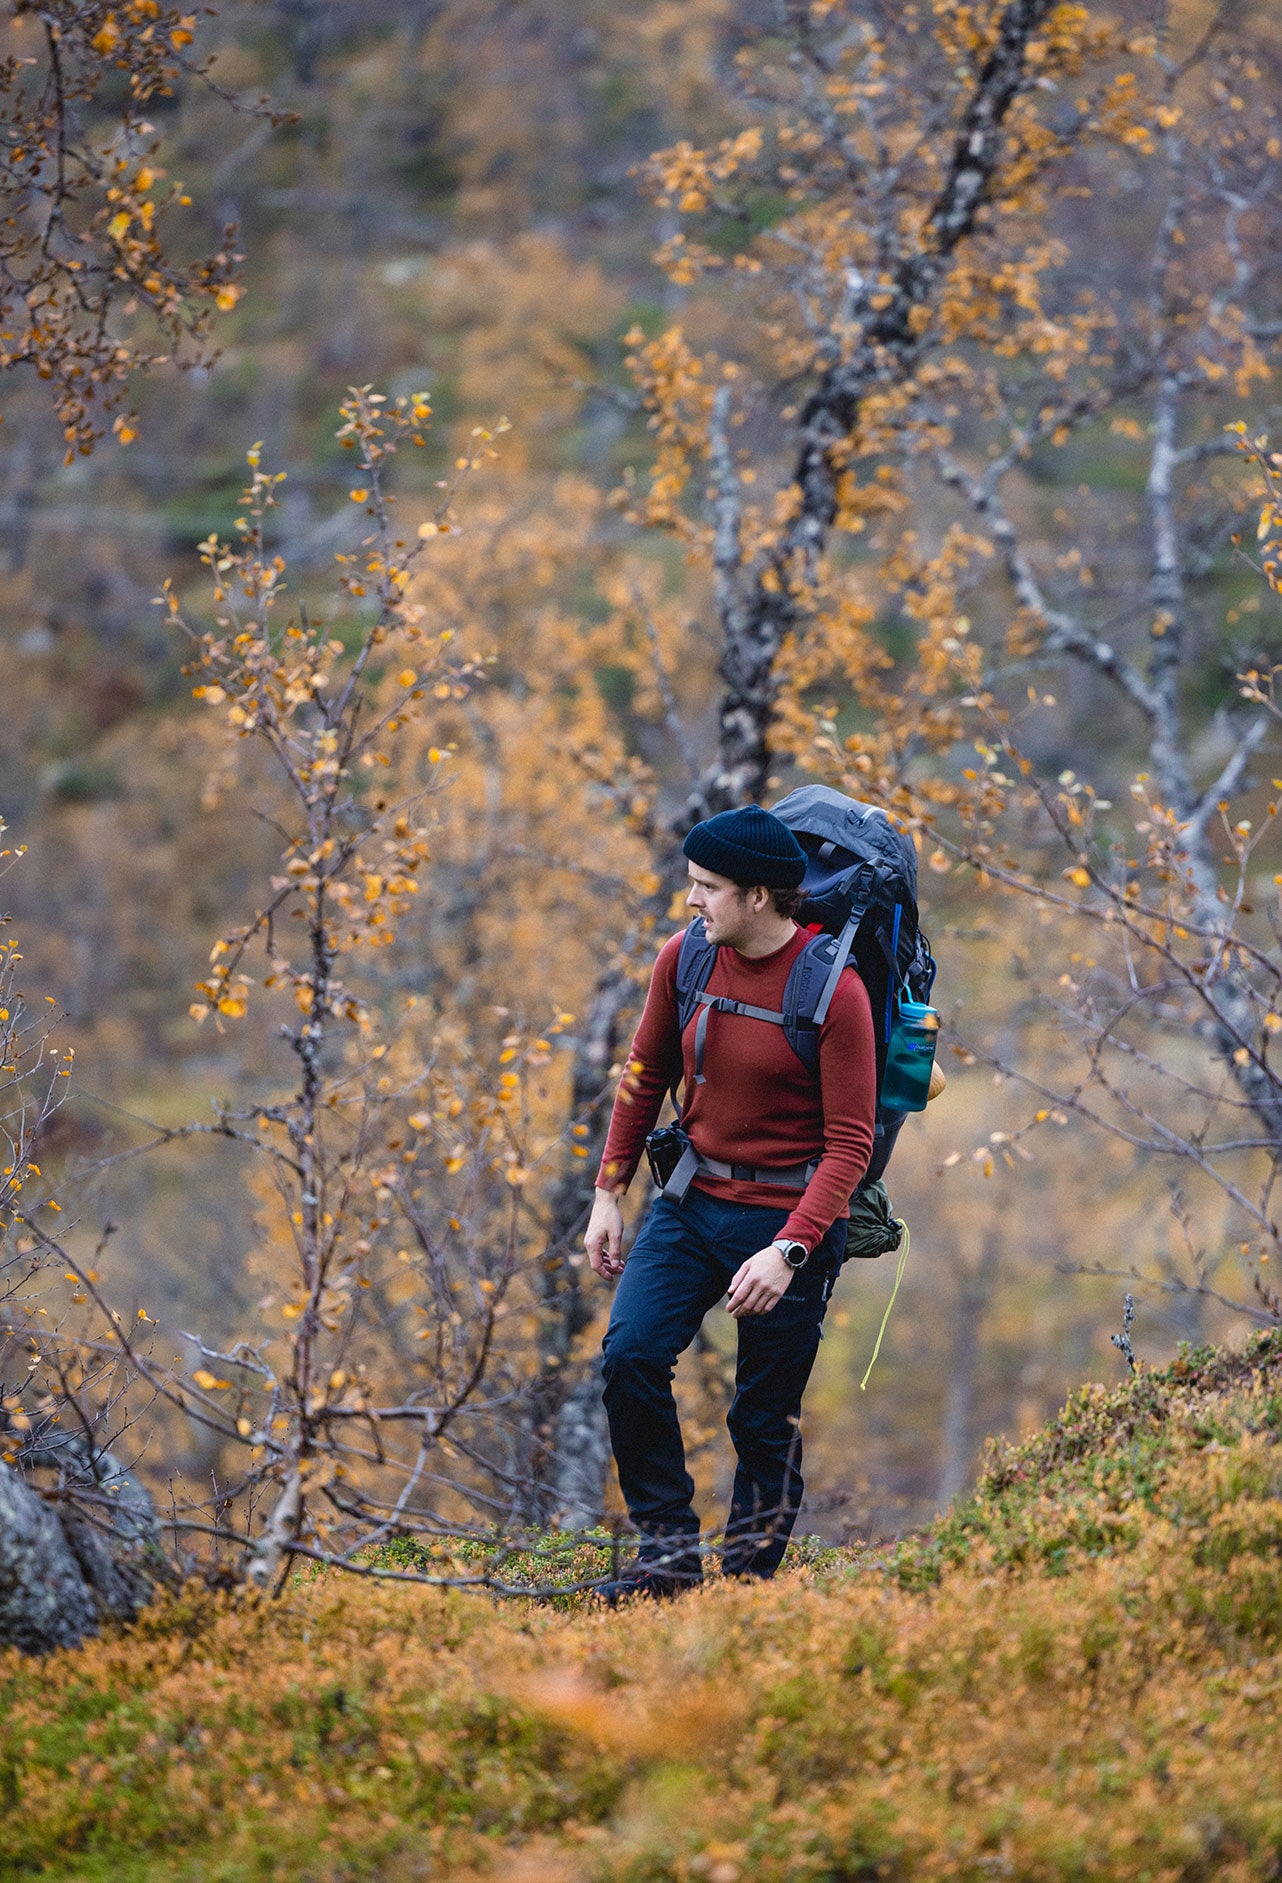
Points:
695	963
812	983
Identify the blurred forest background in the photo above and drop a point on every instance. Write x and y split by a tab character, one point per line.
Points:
461	203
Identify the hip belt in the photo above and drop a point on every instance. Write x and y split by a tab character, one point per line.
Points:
675	1163
783	1176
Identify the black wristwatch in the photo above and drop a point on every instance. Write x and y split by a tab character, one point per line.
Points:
795	1254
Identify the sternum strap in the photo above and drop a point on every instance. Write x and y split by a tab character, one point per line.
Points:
707	1002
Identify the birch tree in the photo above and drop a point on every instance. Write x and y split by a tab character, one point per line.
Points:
878	214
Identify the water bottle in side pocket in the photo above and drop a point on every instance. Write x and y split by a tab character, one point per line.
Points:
910	1057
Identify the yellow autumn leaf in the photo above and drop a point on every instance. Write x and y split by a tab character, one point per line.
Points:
418	1121
1079	876
207	1381
407	677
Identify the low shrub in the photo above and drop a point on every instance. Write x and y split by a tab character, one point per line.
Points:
1077	1675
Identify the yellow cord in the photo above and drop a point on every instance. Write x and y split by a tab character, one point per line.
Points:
899	1276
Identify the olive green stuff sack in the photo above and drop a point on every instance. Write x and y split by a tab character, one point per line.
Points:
872	1230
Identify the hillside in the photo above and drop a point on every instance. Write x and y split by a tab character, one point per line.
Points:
1077	1674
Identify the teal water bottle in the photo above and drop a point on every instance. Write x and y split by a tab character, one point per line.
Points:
910	1057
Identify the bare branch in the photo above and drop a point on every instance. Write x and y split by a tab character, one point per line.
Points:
1065	633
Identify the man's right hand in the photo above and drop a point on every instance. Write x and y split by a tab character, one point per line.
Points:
604	1240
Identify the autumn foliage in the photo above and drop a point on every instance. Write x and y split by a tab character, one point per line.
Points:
911	467
93	276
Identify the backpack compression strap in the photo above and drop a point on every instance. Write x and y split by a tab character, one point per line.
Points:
842	956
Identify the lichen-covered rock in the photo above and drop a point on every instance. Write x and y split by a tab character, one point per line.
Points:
93	1555
45	1602
117	1578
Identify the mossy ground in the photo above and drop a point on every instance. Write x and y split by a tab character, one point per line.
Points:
1076	1675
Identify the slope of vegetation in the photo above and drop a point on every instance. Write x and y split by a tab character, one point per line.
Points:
1077	1674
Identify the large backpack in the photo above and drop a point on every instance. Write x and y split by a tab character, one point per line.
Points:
861	885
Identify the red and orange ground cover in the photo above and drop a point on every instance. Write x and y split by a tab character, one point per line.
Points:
1076	1675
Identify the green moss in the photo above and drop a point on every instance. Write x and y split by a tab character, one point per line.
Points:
1078	1487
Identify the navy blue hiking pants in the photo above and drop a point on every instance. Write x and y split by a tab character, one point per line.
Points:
681	1265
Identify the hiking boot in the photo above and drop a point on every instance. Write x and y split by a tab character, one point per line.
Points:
735	1571
656	1577
753	1557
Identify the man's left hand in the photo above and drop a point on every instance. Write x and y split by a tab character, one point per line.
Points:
760	1283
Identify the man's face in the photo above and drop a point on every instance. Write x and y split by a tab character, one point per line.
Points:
723	905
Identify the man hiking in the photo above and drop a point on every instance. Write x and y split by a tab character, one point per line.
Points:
777	1151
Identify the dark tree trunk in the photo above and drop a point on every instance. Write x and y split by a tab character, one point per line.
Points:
569	1451
968	1321
757	609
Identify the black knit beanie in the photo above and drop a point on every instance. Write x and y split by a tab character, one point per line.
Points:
750	846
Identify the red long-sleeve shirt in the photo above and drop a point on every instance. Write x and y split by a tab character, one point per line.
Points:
759	1104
